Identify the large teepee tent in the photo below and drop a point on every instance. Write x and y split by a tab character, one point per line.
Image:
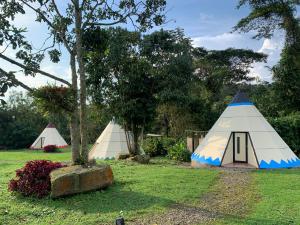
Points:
242	136
111	143
49	136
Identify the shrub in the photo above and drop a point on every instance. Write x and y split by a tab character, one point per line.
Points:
158	146
168	142
34	178
154	147
179	152
50	148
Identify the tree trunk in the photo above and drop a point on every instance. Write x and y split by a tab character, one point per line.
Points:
79	51
166	124
135	147
128	139
74	124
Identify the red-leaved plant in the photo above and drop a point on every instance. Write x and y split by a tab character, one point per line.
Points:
34	178
50	148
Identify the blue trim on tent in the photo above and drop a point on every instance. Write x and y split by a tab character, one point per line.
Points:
282	164
240	103
209	160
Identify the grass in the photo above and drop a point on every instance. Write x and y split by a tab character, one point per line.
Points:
278	202
280	198
143	190
139	190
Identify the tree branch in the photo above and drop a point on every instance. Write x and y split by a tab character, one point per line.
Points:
107	24
34	70
14	80
56	9
45	19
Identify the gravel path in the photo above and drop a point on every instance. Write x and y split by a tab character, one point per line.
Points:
229	196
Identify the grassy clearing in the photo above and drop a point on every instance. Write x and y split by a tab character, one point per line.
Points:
139	190
279	199
144	190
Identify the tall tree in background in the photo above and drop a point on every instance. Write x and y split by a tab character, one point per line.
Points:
266	17
122	79
170	53
20	122
67	21
217	75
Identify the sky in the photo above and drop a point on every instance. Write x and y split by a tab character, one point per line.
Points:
207	22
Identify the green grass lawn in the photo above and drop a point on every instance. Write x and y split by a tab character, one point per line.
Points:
143	190
278	202
138	190
280	198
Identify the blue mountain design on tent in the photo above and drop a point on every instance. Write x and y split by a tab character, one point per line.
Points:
240	136
209	160
282	164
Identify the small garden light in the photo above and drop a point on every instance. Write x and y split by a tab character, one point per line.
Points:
120	221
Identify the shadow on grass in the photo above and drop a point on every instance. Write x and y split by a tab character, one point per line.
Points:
113	199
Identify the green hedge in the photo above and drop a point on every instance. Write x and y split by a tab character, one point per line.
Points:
288	127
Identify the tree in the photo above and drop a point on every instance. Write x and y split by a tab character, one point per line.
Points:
67	23
20	122
123	80
218	75
266	17
217	68
170	52
133	99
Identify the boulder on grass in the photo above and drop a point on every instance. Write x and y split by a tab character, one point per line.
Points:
77	179
143	159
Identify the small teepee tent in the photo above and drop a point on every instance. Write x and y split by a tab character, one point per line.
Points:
49	136
111	143
243	137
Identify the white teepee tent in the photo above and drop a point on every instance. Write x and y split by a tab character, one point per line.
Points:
243	136
49	136
111	143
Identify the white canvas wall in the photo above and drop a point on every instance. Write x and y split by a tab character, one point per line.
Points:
111	143
270	149
51	137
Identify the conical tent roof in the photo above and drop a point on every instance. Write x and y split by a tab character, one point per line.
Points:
243	135
111	143
49	136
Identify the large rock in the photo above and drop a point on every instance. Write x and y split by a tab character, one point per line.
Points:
77	179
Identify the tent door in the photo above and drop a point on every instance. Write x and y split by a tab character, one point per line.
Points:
40	143
240	147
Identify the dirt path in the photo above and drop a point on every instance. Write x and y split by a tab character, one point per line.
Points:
231	195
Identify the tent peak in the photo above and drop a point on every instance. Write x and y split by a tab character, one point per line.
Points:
240	98
50	125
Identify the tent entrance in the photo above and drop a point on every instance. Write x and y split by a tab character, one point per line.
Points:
240	147
240	151
40	143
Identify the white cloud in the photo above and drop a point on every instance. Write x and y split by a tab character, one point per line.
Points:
271	47
225	40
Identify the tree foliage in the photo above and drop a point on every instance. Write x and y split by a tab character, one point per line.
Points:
53	99
20	123
266	18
